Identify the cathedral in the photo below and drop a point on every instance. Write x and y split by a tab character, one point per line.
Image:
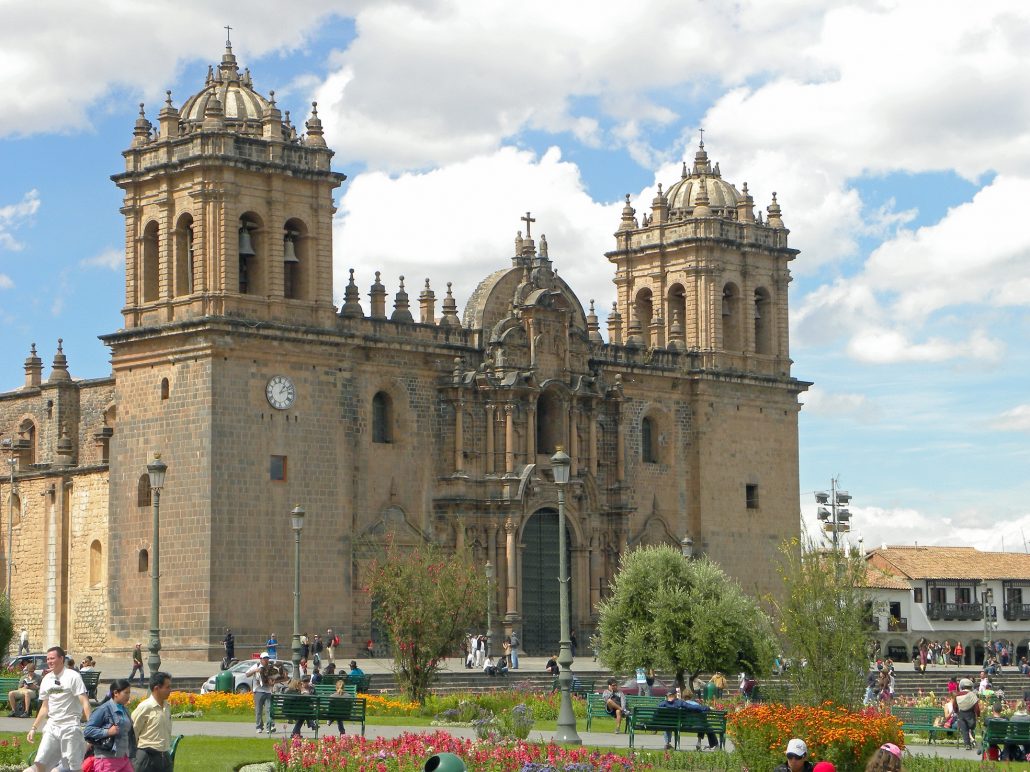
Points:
389	416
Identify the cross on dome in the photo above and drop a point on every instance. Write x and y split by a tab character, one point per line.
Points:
528	220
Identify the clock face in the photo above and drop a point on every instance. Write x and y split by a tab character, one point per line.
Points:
281	392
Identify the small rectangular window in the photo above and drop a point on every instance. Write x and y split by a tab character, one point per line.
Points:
938	595
751	495
917	594
278	468
963	595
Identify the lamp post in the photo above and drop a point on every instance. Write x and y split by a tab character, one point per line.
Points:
9	445
156	470
837	518
489	607
986	599
566	730
297	523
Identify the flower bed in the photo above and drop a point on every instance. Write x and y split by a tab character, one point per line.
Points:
845	738
409	752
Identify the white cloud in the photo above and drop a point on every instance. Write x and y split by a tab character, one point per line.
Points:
818	401
458	224
5	281
1015	420
12	216
58	63
110	258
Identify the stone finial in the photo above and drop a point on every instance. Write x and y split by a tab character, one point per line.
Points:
33	369
593	327
628	221
775	214
701	163
210	75
401	307
168	119
677	341
59	369
745	206
378	299
315	136
427	305
635	339
701	208
272	120
65	450
615	325
450	310
214	115
352	300
141	131
684	174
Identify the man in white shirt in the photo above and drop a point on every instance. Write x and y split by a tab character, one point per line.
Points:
64	703
23	644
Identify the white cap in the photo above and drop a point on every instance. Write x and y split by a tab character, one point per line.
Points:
265	655
797	747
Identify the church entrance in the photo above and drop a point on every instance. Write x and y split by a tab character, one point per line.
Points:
541	621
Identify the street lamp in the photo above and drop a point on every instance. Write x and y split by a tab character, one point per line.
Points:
489	607
9	446
156	469
986	600
837	518
297	523
566	730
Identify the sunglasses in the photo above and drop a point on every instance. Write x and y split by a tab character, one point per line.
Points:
794	756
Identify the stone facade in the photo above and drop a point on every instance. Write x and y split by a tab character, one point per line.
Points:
260	395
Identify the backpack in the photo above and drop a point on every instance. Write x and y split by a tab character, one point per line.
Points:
336	641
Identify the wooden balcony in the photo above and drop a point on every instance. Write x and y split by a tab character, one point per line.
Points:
959	612
1017	611
897	625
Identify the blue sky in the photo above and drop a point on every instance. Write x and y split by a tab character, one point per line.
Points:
895	134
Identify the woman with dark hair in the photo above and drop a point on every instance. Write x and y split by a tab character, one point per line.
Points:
110	731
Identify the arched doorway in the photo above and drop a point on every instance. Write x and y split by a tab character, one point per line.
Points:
541	621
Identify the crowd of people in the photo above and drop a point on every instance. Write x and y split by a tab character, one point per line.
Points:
474	649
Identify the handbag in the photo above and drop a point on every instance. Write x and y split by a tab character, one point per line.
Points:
107	744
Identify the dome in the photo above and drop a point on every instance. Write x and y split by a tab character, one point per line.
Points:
241	105
684	194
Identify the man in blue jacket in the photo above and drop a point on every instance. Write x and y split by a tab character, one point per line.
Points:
676	701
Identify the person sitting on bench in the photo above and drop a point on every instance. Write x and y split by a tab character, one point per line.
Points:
676	701
614	702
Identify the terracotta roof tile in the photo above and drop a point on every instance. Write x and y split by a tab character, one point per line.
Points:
952	563
881	580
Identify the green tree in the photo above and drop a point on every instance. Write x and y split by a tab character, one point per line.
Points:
681	616
823	621
6	625
426	600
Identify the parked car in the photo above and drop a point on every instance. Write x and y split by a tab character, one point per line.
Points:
16	663
243	682
660	688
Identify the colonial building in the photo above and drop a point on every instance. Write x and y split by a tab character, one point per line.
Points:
956	594
259	394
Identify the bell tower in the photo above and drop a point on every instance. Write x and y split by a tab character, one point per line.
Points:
228	209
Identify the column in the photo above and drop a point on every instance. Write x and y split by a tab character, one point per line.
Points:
489	438
459	435
531	433
595	572
573	436
620	447
592	450
509	552
491	551
509	438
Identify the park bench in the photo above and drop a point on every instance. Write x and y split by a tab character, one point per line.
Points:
676	720
9	684
635	700
998	731
317	708
581	687
91	680
921	720
595	708
349	690
360	682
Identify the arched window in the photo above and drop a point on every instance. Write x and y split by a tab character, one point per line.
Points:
164	388
643	307
648	441
26	443
184	256
251	254
143	491
550	422
295	260
731	318
143	561
763	322
96	564
677	305
382	417
151	263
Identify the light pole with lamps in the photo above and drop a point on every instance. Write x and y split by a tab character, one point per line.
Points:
9	446
566	731
297	523
489	607
986	599
156	469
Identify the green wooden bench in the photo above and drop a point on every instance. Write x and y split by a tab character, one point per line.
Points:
595	708
701	723
349	690
635	700
581	687
345	709
360	682
998	731
645	718
9	684
91	680
922	720
173	748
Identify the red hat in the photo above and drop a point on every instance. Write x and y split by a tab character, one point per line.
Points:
824	766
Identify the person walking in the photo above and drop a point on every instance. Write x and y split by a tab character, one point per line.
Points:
966	707
23	642
515	650
272	646
137	663
318	647
229	647
331	642
64	703
110	731
266	675
152	722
